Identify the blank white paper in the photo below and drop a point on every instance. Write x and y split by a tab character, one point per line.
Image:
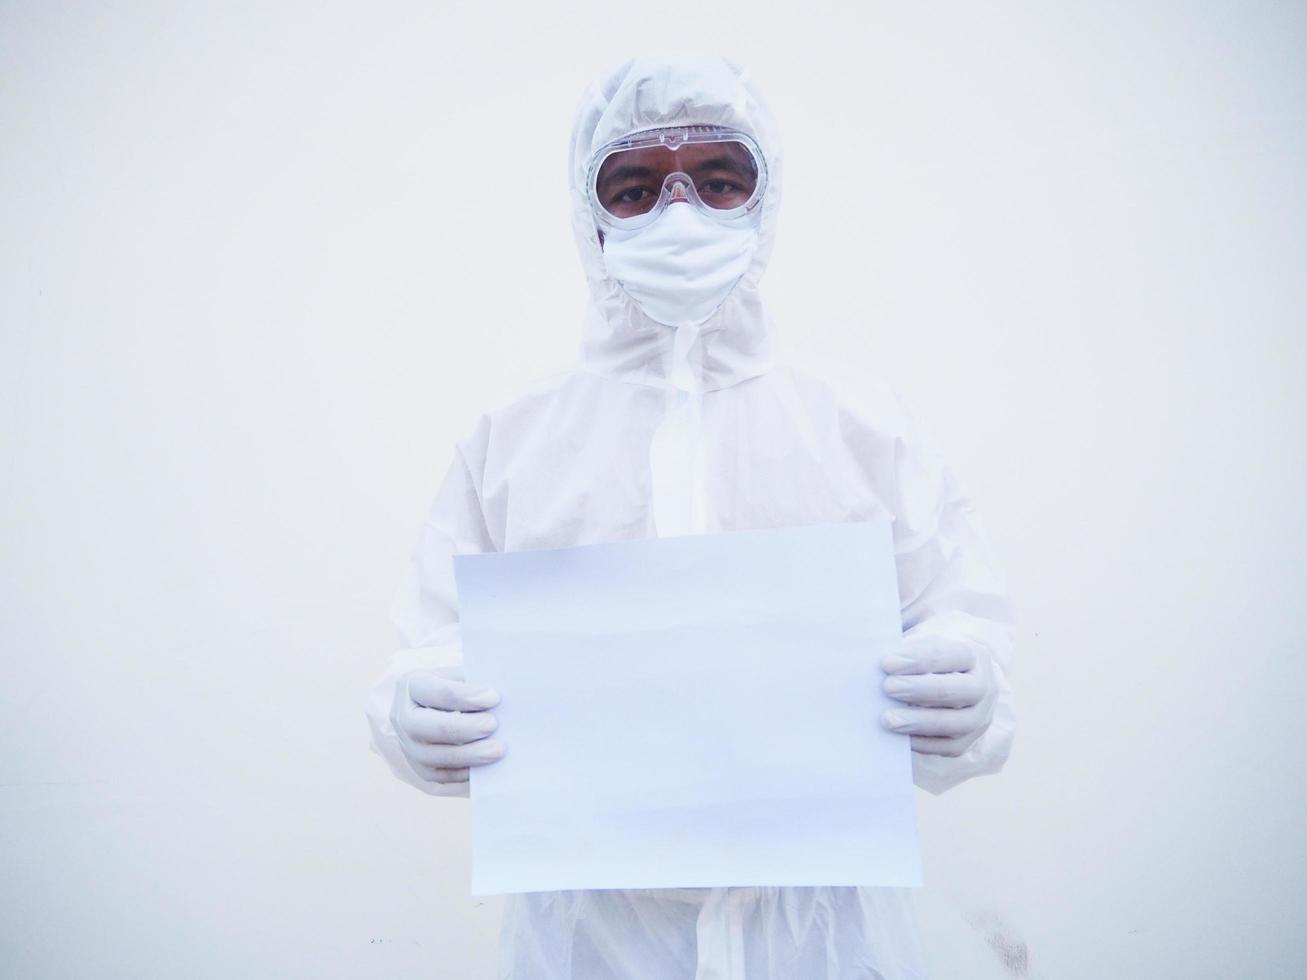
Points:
690	712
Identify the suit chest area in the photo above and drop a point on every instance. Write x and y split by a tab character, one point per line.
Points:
751	456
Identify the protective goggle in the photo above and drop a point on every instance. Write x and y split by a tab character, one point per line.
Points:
720	171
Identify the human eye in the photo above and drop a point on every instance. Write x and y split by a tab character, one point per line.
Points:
722	192
630	199
718	186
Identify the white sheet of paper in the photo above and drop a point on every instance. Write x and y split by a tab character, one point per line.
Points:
690	712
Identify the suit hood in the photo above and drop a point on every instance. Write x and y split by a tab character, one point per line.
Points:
618	338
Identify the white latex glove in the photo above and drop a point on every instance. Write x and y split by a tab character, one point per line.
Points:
948	689
443	722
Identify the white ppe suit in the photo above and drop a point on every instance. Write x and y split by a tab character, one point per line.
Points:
660	431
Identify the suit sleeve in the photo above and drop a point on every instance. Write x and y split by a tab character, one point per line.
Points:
950	584
425	608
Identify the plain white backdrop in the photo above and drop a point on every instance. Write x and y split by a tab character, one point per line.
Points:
261	264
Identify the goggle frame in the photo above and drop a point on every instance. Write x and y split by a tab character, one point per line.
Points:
672	138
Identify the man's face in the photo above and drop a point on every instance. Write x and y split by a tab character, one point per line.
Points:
630	182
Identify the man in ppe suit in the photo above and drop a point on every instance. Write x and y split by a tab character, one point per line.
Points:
678	419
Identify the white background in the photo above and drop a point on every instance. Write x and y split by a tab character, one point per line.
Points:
261	264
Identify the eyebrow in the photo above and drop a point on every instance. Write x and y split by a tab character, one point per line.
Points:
625	172
728	163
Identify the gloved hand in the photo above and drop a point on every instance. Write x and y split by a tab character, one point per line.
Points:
442	724
948	689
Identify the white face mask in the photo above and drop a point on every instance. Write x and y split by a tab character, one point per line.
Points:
682	266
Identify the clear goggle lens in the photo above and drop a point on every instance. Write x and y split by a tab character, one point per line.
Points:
632	179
